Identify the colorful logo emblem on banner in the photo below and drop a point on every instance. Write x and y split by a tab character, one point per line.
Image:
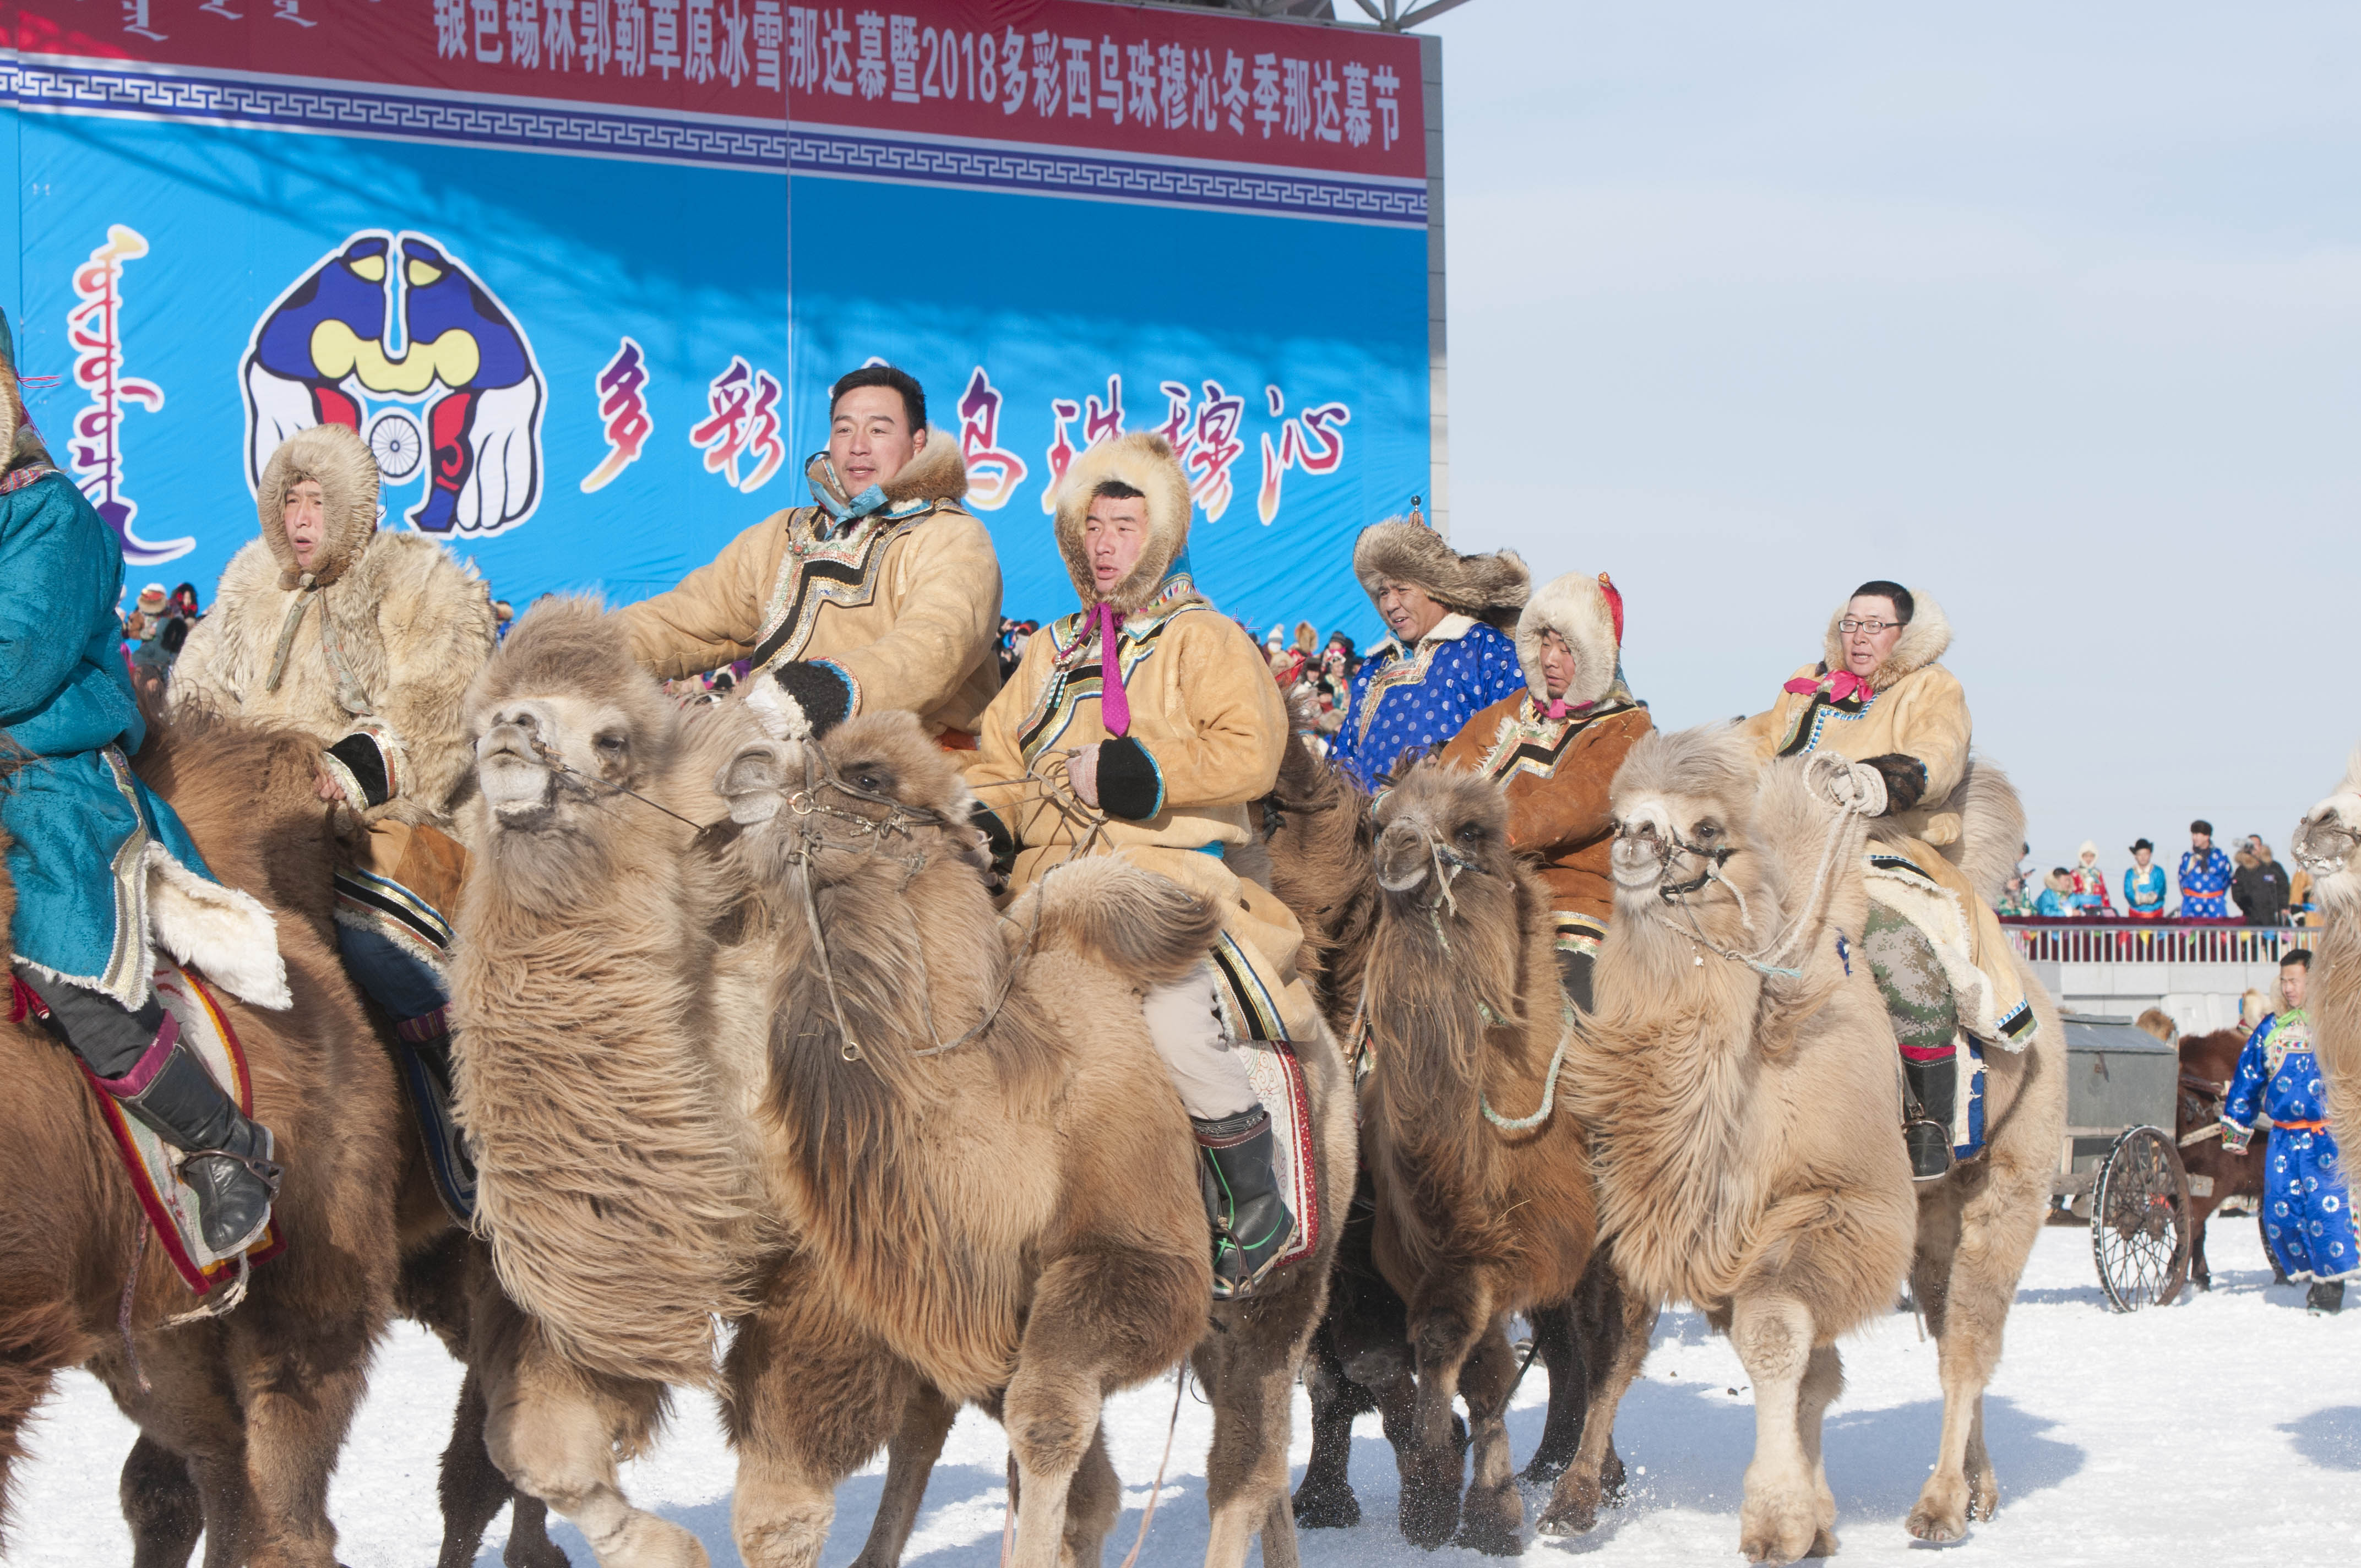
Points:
391	335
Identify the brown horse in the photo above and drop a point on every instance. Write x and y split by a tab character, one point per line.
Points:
252	1405
2207	1064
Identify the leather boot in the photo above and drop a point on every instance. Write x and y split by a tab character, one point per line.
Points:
225	1158
1251	1224
1930	1095
426	1069
2325	1296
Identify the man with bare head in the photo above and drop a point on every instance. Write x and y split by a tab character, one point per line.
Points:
884	594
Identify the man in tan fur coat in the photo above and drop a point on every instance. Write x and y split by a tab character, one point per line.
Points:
883	595
364	640
1142	726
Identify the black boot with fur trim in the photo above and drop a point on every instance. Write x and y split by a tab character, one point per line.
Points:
1251	1223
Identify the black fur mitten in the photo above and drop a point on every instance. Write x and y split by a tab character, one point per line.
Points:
806	696
1906	779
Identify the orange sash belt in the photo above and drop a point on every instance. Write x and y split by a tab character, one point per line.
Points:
2320	1126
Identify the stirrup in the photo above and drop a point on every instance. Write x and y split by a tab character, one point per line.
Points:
1223	1237
1925	1146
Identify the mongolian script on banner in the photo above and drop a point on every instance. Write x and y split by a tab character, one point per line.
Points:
94	452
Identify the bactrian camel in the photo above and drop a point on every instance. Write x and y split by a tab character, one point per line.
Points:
1741	1085
1482	1181
2328	844
1321	845
1010	1219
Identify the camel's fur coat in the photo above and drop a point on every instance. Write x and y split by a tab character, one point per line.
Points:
1746	1124
1014	1220
2328	843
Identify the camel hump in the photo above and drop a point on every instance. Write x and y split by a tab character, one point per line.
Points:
1147	927
1991	828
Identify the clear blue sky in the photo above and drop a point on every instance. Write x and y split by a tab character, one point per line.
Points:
2054	312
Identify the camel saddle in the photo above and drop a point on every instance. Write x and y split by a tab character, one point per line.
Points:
1276	1078
152	1163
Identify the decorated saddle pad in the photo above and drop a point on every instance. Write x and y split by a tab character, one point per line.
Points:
154	1166
1277	1078
1993	1005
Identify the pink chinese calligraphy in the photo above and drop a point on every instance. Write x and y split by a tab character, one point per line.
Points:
1313	441
623	406
993	474
743	421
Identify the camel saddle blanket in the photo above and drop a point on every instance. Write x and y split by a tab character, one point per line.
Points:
1276	1078
1993	1005
153	1165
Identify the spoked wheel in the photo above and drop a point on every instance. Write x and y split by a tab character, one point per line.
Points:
2139	1221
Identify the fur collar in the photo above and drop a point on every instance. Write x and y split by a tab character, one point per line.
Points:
1922	643
1144	462
335	456
21	444
1491	588
1588	612
936	472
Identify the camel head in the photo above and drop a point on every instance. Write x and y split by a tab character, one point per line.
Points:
565	724
2327	843
876	786
1439	830
1683	805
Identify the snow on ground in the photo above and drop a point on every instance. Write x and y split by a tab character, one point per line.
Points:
2224	1429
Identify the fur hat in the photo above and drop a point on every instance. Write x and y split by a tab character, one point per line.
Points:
1144	462
1922	641
339	461
1491	587
2091	848
152	599
1588	612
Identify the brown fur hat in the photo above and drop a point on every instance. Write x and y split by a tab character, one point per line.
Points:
1491	587
335	456
1588	612
1144	462
936	472
1922	641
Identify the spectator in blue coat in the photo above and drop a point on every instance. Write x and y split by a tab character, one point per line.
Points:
2204	876
2057	900
1448	658
2144	884
2307	1207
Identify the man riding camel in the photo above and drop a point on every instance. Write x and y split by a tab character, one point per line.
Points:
886	594
1881	697
1448	656
1554	747
364	639
1144	725
103	873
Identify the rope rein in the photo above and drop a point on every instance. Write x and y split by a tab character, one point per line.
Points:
1549	1092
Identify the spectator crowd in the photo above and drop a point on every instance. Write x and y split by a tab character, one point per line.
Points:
2245	884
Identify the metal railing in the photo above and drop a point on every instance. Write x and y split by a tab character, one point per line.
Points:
2088	941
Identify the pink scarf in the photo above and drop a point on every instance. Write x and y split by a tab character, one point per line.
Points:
1556	708
1842	684
1114	706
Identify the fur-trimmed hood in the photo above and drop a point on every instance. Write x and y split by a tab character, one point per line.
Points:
21	444
335	456
1145	463
1491	588
936	472
1922	643
1588	612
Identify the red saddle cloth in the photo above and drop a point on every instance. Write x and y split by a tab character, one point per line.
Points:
154	1164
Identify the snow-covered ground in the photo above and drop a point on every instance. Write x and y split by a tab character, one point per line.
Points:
2224	1430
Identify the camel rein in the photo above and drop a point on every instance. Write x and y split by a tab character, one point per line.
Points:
1677	894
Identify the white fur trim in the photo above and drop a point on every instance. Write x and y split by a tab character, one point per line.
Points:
1936	912
1575	607
781	716
220	930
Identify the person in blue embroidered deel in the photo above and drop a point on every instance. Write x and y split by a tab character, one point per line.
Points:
2307	1205
2144	884
2204	876
1449	657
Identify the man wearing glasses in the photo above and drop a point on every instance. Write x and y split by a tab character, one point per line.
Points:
1881	696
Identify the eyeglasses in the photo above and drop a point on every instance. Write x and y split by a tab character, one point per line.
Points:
1874	628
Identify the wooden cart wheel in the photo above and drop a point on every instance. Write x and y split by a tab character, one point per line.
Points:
2139	1221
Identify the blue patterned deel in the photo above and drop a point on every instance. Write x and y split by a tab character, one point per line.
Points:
2203	881
2307	1209
1404	702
